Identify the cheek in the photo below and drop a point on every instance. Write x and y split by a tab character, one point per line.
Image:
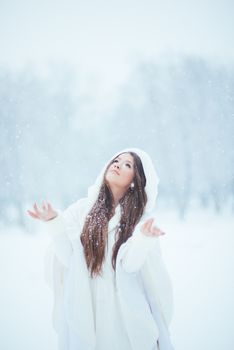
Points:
129	176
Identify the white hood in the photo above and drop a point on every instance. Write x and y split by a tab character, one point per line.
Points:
152	179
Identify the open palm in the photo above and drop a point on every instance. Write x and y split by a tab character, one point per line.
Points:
149	229
44	214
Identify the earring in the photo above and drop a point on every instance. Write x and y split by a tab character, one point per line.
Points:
132	185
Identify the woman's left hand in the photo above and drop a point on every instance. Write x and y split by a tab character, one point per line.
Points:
149	229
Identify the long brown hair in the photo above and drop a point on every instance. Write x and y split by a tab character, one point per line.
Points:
94	235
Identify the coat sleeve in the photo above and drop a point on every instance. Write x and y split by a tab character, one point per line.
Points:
142	254
64	261
138	248
63	230
158	285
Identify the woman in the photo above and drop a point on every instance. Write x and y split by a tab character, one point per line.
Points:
111	287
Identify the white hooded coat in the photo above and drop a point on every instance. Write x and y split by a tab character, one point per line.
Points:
141	285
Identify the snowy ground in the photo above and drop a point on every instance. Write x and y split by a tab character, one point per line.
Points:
199	256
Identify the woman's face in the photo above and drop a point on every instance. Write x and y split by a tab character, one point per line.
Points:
121	171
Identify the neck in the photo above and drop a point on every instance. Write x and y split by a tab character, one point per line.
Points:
117	194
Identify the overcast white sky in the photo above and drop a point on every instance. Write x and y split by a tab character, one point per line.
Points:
104	39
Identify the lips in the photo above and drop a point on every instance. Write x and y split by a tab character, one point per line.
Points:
115	171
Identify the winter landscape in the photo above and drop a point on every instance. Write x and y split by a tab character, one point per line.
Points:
80	81
198	253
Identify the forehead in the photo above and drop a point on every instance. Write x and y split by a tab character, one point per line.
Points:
126	157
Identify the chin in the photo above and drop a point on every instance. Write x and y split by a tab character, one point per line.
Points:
110	181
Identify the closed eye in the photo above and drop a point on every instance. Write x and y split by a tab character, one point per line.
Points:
127	164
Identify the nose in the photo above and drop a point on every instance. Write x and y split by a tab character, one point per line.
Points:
116	165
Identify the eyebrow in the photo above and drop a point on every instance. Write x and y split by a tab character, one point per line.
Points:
129	161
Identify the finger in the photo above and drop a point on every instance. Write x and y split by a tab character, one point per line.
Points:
36	209
157	231
49	206
44	205
144	225
32	214
149	224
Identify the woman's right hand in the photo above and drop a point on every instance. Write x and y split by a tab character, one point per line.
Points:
45	214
